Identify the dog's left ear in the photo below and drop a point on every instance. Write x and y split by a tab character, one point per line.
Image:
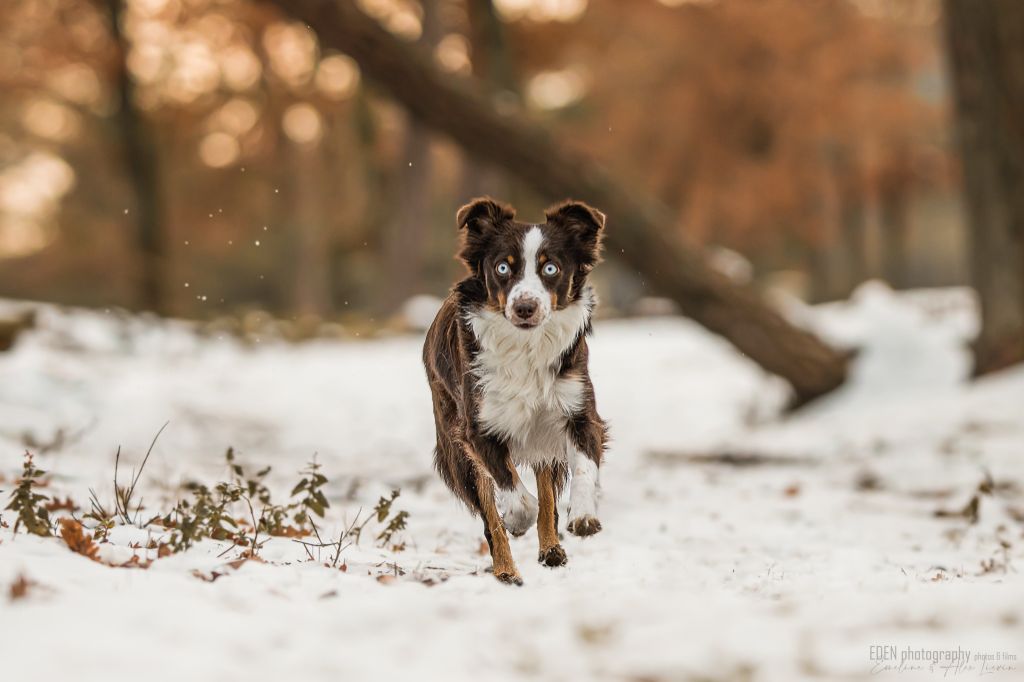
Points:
585	223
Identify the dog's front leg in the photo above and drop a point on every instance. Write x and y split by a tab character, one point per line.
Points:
496	478
587	435
548	484
501	554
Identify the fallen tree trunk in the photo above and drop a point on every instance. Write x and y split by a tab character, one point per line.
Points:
11	326
641	231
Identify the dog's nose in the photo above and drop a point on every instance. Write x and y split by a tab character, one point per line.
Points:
525	308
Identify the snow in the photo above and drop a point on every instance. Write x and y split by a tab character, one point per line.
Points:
790	568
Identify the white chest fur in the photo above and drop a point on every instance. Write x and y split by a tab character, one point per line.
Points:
522	398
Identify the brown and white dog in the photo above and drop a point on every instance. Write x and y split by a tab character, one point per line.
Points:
506	359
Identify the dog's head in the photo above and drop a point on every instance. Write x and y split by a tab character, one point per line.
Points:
530	270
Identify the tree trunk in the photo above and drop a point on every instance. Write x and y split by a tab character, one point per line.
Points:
491	62
895	226
139	151
492	66
311	295
852	242
406	246
641	232
986	57
849	258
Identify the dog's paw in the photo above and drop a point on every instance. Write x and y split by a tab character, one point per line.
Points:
519	512
553	557
509	578
584	526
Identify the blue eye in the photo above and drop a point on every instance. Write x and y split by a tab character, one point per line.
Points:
503	269
550	269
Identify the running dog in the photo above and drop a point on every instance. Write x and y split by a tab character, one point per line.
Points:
506	359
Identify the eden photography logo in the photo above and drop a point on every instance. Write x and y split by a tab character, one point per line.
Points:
945	662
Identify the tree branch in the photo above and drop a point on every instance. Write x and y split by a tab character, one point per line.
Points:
642	232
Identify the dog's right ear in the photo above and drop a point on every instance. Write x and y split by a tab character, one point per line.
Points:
481	213
479	220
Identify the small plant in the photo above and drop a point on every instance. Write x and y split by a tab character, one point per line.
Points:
123	496
273	517
207	515
343	542
104	519
289	520
350	535
28	503
396	524
314	501
381	512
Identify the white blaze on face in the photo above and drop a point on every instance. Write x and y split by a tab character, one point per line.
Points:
530	287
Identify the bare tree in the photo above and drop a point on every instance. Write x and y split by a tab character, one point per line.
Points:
138	150
986	57
641	231
407	240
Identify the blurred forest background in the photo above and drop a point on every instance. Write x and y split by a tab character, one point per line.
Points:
208	157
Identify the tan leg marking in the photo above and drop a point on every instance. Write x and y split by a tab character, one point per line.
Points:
501	554
551	553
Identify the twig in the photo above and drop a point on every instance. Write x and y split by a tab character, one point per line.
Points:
339	545
123	498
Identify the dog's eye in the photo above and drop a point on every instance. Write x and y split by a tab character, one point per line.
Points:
503	269
550	270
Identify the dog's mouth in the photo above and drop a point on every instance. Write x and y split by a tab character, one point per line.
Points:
525	324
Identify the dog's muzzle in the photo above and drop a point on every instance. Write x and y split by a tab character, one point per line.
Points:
525	312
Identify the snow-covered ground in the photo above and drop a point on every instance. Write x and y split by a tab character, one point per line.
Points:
738	544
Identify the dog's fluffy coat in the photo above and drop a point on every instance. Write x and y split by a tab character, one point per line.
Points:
506	359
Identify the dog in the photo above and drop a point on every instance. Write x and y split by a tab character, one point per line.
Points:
506	360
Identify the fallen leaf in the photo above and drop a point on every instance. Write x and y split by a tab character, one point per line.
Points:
20	587
57	504
206	578
76	539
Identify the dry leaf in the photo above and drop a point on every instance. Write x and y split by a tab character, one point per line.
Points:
20	587
134	562
76	539
57	504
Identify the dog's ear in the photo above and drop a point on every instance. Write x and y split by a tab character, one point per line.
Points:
478	220
482	213
585	223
